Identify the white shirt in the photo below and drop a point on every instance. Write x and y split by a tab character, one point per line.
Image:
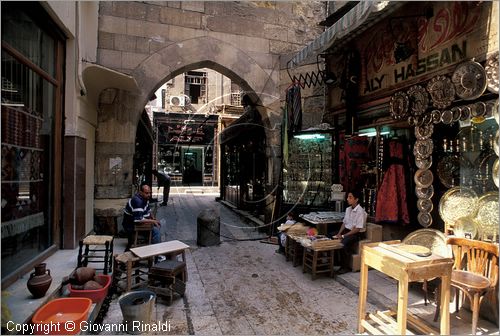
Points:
355	218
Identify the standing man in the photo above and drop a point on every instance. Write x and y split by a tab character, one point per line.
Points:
163	180
137	210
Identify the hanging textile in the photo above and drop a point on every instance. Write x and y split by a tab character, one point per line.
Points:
294	106
284	137
391	202
352	153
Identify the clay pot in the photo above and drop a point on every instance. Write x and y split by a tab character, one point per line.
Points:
83	274
39	281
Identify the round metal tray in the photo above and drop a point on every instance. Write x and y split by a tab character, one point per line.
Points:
487	214
423	178
424	219
424	192
457	202
433	239
466	227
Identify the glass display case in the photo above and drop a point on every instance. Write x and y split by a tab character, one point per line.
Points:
308	175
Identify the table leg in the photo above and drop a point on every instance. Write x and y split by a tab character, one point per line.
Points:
363	286
445	305
402	303
314	265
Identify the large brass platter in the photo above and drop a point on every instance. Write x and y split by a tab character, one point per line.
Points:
457	202
432	239
495	173
487	214
466	227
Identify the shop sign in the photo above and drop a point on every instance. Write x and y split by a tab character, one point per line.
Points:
402	48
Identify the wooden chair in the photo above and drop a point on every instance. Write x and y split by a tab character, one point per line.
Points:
475	272
141	235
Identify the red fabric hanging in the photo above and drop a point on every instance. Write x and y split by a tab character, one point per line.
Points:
391	197
352	153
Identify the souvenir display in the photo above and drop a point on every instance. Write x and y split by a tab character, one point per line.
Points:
423	148
466	227
436	116
487	215
424	219
425	205
457	202
423	178
442	91
423	192
419	100
423	163
399	105
433	239
424	132
469	79
491	69
448	170
447	117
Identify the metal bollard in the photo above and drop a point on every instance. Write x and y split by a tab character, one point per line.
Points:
208	228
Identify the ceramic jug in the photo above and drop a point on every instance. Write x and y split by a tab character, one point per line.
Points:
39	281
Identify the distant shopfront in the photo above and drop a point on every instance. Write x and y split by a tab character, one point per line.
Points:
185	147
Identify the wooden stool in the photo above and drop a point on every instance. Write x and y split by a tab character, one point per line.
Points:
318	260
293	251
95	255
126	267
141	235
168	277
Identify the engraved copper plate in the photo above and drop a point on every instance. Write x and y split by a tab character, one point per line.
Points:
469	79
419	100
466	227
432	239
436	116
423	178
448	170
399	105
491	69
464	113
495	143
423	148
422	192
447	117
424	219
424	132
487	214
442	91
424	163
457	202
456	111
496	112
425	205
478	109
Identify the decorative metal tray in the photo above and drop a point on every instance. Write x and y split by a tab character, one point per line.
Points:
466	227
442	91
495	144
465	112
425	205
487	214
495	173
423	148
457	202
448	170
399	105
419	100
423	163
423	178
424	132
447	117
425	192
433	239
469	79
424	219
436	116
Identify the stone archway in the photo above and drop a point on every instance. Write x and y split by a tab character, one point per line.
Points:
119	117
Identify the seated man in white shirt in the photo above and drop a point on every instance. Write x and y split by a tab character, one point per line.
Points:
353	226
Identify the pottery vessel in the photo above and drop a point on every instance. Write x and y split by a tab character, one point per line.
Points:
39	281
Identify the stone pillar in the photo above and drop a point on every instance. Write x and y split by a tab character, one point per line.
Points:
208	228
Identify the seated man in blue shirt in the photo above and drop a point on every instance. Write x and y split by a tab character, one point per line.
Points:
137	210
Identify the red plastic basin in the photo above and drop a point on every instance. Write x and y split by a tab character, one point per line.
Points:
52	318
95	295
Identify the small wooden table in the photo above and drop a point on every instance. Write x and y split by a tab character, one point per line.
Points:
322	225
404	267
319	259
173	247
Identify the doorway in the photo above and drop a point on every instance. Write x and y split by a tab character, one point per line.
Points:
192	165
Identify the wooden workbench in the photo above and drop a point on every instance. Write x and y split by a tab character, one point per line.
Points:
172	247
404	267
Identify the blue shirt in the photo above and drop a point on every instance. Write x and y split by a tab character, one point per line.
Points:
137	209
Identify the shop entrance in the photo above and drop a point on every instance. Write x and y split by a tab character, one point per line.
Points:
192	165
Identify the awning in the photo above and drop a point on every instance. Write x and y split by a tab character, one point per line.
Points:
353	23
98	78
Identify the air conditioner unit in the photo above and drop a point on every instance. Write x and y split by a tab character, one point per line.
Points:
177	100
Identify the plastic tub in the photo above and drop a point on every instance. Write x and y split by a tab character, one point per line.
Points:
51	318
95	295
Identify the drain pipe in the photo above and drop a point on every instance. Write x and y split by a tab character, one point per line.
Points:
78	65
